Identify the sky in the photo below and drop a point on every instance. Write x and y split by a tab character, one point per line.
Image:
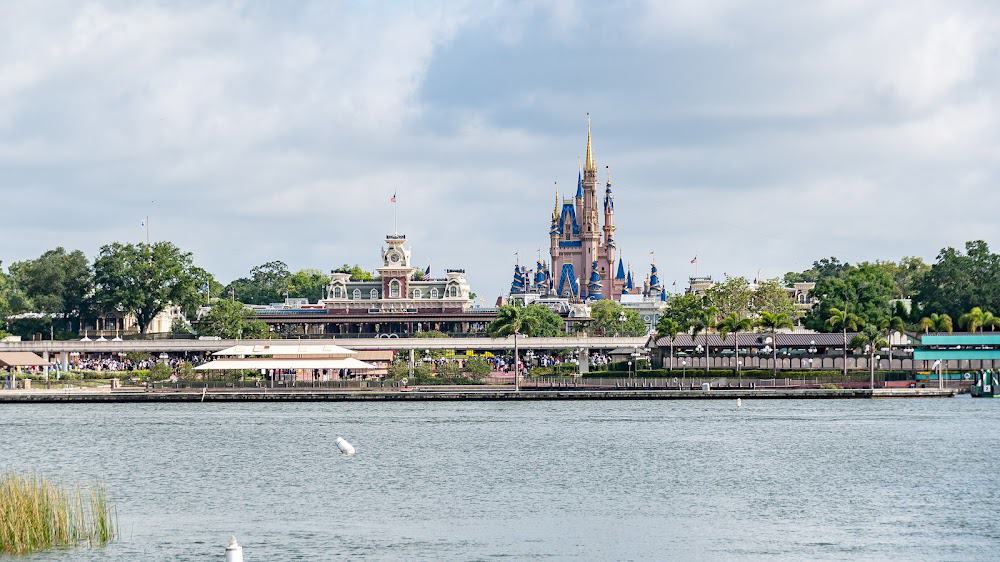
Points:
758	136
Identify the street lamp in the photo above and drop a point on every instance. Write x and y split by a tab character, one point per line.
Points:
684	365
621	322
698	351
766	350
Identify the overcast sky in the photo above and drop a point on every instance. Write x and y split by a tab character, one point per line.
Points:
756	135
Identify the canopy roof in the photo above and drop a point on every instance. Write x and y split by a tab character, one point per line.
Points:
287	350
21	359
284	364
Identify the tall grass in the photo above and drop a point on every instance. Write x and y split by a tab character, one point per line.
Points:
35	514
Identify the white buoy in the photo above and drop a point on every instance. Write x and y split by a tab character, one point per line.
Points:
739	403
344	446
234	552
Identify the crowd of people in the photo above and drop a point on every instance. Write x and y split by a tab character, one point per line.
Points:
116	362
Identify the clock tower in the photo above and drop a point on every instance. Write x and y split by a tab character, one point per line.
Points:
396	271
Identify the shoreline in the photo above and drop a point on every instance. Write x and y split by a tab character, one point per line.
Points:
437	395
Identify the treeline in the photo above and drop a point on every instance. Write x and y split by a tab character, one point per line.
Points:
68	290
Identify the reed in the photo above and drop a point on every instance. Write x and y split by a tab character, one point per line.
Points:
36	514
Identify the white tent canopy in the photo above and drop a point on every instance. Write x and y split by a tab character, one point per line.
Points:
283	364
283	357
286	350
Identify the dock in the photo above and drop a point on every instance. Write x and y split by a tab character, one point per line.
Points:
452	394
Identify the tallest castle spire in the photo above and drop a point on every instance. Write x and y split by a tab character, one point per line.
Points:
590	165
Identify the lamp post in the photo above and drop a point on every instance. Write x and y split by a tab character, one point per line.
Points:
698	351
621	322
877	358
766	350
684	366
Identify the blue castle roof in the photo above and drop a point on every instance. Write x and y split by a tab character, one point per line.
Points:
595	285
579	185
621	270
654	279
568	209
568	285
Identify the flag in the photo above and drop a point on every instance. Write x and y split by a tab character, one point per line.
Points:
142	224
428	270
393	198
694	259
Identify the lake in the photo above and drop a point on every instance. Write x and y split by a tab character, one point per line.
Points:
775	480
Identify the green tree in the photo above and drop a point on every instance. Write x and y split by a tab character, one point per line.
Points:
957	282
308	283
668	327
357	273
514	320
771	323
821	269
865	290
267	283
611	318
143	280
869	340
844	320
58	282
936	322
770	296
232	320
703	321
544	323
731	296
734	324
684	309
974	319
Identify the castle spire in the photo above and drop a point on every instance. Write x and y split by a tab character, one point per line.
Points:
555	208
591	166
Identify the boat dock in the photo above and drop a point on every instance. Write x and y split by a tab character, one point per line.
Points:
453	394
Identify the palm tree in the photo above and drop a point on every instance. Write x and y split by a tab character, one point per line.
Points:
843	319
894	324
870	340
943	323
926	323
668	328
513	320
734	324
702	321
772	323
972	320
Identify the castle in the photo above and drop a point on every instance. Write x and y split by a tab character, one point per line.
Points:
582	251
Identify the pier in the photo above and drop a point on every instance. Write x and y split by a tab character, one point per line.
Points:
455	394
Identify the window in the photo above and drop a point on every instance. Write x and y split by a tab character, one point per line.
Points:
356	295
453	291
417	293
434	293
338	293
373	295
394	289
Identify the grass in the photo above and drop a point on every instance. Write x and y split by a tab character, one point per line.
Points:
36	514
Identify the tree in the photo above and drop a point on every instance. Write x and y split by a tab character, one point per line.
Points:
308	283
57	282
957	282
357	273
684	309
143	280
513	320
870	340
772	322
703	321
936	322
821	269
975	319
267	283
731	296
232	320
734	324
544	323
865	290
844	320
611	318
770	296
667	327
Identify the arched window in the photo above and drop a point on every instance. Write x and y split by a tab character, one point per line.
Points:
394	289
338	293
356	295
373	295
453	291
417	293
434	293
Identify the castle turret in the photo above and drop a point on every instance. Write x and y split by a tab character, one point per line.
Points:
595	287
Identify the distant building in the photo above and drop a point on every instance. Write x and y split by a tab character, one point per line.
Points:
399	300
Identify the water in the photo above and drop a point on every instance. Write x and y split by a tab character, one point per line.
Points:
778	480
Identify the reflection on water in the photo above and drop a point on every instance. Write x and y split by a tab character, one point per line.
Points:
790	480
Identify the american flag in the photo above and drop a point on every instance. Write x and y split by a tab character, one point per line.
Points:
393	198
694	259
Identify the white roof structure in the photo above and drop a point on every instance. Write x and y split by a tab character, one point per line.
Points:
286	350
283	356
